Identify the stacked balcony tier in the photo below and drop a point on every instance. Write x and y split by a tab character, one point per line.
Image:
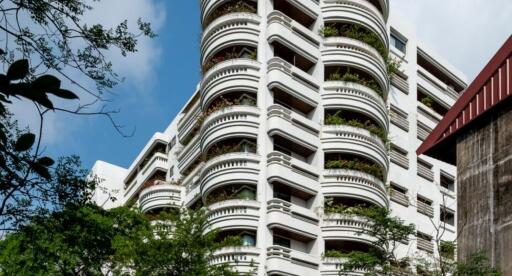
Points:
357	98
236	75
286	261
290	217
234	121
234	214
360	12
159	197
293	35
292	172
228	169
352	53
234	29
355	141
346	228
290	79
354	184
243	260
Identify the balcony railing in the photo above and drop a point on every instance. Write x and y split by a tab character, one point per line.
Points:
425	245
425	209
425	171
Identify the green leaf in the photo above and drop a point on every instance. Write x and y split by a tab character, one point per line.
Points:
25	142
63	93
45	161
46	83
18	70
41	170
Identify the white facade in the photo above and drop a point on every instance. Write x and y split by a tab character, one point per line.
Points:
252	142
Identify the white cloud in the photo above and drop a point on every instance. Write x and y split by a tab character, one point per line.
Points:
467	33
138	68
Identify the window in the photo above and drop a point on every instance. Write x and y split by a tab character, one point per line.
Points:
248	239
399	194
398	156
447	181
447	216
398	42
284	242
424	206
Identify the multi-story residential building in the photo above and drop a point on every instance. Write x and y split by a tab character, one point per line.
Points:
292	114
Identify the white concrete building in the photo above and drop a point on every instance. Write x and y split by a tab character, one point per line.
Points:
285	120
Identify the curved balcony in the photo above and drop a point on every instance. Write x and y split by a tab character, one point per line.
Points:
332	267
360	12
231	168
234	214
236	75
342	51
285	215
159	197
356	141
294	36
346	228
293	172
243	260
187	123
355	97
282	121
230	30
286	261
188	154
234	121
290	79
354	184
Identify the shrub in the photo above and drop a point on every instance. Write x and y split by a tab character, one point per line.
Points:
357	165
336	119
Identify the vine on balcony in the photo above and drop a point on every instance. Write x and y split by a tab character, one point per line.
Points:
233	192
362	34
336	119
218	150
233	54
223	102
232	7
427	101
354	77
358	165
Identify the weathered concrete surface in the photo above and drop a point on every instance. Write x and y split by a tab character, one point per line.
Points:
484	163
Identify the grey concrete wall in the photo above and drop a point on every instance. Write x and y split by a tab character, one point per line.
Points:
484	164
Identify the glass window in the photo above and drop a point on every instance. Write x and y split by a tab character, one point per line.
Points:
399	43
248	240
282	241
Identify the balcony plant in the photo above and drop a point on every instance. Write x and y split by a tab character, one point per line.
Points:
362	34
242	146
230	7
228	55
354	77
427	101
233	192
337	119
357	165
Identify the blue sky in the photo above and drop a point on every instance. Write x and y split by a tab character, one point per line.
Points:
161	78
154	103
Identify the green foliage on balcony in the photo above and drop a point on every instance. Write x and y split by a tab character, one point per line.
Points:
230	7
354	77
228	55
362	34
337	119
427	101
232	192
356	165
221	149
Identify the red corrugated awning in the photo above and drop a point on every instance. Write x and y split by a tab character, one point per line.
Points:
490	88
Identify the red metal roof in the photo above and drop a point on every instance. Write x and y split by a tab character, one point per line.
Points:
491	87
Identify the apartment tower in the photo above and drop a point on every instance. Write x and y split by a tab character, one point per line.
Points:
296	113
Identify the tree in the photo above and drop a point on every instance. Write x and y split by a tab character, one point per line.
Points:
87	240
44	38
387	233
188	250
52	34
31	184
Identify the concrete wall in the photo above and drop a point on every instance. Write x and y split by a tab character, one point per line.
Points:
484	163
